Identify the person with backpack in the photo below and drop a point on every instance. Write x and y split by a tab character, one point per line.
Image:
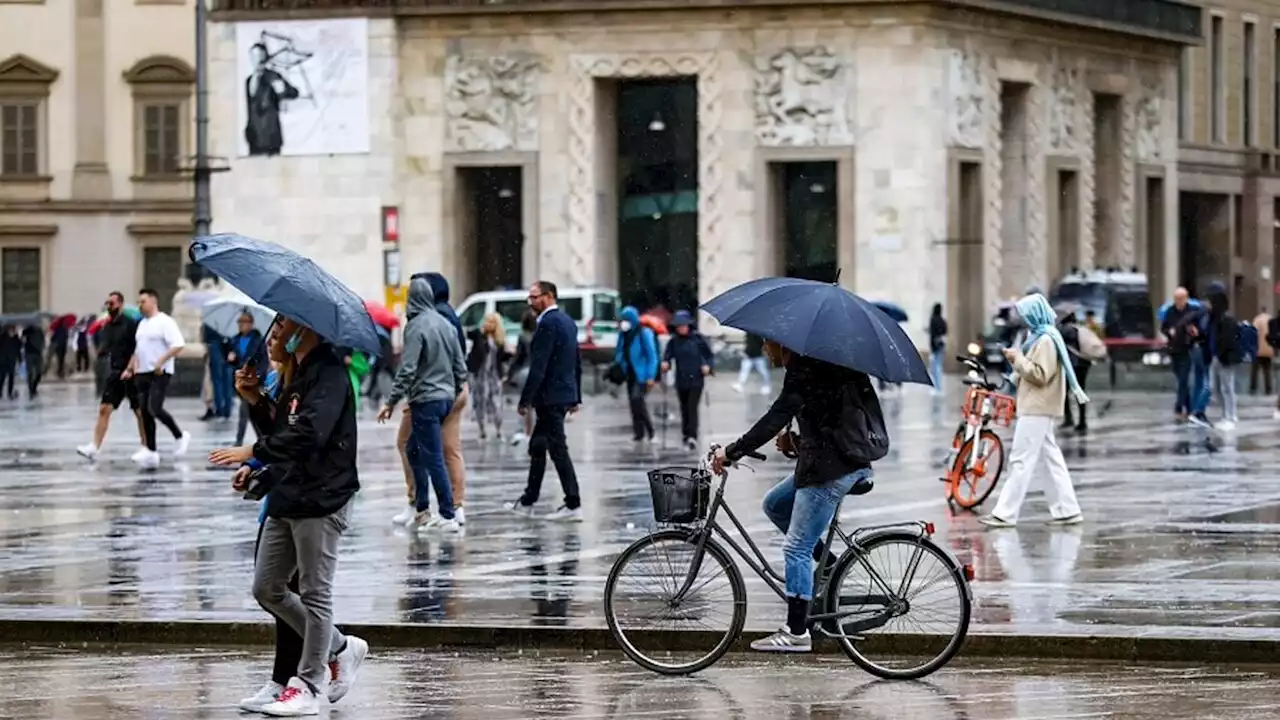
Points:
1223	352
691	353
1264	354
637	356
1044	373
841	432
1083	346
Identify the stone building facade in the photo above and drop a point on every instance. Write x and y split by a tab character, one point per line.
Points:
95	127
976	153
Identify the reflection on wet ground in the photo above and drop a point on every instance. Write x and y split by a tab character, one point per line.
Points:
47	683
1181	538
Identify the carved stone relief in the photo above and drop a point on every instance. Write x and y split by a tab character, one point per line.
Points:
490	103
1064	110
968	98
584	234
802	99
1148	112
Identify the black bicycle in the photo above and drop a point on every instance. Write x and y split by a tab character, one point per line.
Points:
682	578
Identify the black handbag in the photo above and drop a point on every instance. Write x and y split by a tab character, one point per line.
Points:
616	373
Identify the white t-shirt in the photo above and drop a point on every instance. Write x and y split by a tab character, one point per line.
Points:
156	336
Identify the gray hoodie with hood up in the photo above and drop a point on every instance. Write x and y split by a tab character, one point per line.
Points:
431	367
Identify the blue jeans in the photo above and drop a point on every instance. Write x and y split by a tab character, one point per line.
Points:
425	452
1200	388
1182	372
222	378
935	367
804	514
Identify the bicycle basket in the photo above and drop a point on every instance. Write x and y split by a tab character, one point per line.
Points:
680	494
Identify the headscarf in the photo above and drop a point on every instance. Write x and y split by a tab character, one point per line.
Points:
1040	320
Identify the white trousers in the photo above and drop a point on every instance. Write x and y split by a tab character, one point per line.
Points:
1035	451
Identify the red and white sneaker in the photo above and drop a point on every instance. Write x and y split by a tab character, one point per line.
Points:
345	667
296	700
264	697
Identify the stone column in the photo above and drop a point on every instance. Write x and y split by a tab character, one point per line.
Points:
91	178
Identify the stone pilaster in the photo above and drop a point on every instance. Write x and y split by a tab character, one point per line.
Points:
1088	182
91	179
1124	252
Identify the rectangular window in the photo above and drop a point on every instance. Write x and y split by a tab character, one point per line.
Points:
161	132
1184	95
1248	123
1218	105
19	139
20	280
161	269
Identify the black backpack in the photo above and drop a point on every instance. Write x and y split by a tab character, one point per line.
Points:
861	435
1273	332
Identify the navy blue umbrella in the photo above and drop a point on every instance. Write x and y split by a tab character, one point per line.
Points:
290	284
895	312
822	321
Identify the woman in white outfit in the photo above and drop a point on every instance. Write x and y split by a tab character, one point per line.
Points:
1044	375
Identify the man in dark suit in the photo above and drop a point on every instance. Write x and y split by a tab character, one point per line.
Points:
265	91
553	389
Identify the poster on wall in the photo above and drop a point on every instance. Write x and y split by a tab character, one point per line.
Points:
305	87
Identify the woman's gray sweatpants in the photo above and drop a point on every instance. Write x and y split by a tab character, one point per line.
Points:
309	546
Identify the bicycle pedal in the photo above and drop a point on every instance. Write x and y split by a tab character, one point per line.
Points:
944	479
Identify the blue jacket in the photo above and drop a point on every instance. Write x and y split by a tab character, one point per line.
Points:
555	366
637	349
440	288
690	352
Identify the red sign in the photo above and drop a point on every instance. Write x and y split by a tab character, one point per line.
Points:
391	225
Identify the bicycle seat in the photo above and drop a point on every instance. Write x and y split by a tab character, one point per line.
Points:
862	486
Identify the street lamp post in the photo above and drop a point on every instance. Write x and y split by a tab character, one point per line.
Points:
203	171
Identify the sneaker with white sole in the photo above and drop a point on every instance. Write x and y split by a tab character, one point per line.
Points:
403	516
418	519
148	460
296	700
441	524
1226	425
264	697
784	641
994	522
1072	520
566	514
88	452
737	387
520	437
181	444
139	454
518	508
460	515
345	667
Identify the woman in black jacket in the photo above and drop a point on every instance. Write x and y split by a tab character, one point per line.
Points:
311	439
820	396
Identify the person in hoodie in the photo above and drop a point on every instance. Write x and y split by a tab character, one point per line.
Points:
1222	352
452	428
432	374
637	353
691	353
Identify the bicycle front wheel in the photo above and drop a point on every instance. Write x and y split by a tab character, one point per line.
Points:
663	633
977	469
905	604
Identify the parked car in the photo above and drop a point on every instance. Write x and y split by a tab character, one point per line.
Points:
594	309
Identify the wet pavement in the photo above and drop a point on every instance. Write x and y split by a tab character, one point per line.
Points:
51	683
1181	537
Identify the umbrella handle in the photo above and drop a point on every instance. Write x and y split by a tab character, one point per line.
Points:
191	250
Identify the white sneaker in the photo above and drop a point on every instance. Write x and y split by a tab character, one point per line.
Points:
766	390
1275	415
296	700
565	514
520	437
403	517
180	446
263	698
1226	425
417	519
148	460
737	387
139	454
444	525
345	666
89	451
520	509
784	641
459	515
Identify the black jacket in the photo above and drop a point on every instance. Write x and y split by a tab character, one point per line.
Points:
1175	326
1224	330
811	393
555	365
314	431
754	346
116	340
937	333
690	352
10	349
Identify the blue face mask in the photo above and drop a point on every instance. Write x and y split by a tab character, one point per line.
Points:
291	346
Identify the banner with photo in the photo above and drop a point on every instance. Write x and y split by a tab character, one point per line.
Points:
305	87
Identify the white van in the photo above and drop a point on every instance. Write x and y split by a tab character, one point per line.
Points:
594	309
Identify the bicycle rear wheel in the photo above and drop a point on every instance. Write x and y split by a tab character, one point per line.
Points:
974	481
642	612
908	603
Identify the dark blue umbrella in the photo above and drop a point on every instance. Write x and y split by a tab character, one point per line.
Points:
290	284
895	312
822	321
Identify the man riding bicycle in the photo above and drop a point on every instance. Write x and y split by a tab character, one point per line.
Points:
841	430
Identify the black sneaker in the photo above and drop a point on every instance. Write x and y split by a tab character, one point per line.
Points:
1200	420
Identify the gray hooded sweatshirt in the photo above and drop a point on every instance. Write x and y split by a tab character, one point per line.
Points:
432	367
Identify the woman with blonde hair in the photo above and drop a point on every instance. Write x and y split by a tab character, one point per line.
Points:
485	363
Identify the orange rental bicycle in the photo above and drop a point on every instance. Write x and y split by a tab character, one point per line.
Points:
977	452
